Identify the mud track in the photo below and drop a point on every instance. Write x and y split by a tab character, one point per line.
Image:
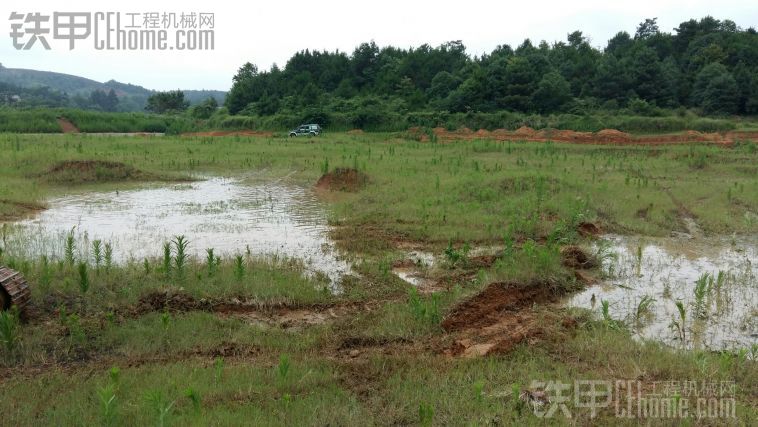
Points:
501	316
283	314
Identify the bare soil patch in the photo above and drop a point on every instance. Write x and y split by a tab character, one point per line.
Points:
498	318
589	229
342	179
283	314
67	126
577	258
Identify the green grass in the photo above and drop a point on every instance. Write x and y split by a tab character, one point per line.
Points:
46	121
378	359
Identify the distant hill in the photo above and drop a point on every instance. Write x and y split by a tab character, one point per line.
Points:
78	89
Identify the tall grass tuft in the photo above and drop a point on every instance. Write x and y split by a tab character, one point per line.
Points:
108	257
211	262
283	368
643	307
69	248
239	267
610	322
680	324
159	406
45	275
702	286
194	398
180	258
83	278
166	258
107	397
9	329
97	253
425	414
424	310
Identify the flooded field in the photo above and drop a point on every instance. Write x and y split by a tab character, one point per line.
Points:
232	216
700	292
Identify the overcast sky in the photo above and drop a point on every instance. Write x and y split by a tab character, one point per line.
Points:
270	32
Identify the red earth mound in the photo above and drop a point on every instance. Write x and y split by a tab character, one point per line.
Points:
497	319
342	179
576	257
612	135
588	229
605	136
67	126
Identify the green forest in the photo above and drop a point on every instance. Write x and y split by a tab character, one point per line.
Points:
706	66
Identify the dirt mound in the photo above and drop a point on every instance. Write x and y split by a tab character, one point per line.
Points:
497	319
81	171
169	301
613	135
588	229
487	307
525	131
67	126
576	257
342	179
355	132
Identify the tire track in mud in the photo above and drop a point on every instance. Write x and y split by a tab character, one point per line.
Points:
284	314
498	318
99	362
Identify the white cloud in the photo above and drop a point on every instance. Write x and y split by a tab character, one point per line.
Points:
268	32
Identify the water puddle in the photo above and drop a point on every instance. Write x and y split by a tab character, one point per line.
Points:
414	268
232	216
715	280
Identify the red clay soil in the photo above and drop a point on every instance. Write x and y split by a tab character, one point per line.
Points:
576	258
230	133
486	307
67	126
605	136
342	179
497	319
588	229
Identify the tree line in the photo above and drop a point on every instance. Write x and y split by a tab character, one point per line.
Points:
708	65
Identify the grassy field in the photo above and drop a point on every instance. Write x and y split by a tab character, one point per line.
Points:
187	341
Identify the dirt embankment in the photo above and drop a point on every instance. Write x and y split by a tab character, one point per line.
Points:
88	171
500	317
605	136
342	179
285	315
97	171
67	126
18	209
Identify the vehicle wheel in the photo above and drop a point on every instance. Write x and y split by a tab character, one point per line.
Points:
292	135
313	133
